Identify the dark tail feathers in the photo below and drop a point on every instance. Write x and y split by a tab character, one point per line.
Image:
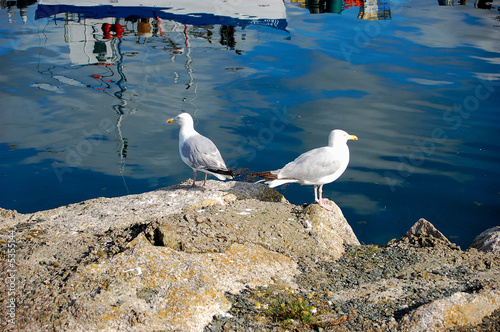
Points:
228	172
266	175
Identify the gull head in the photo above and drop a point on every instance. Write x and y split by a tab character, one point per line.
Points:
340	136
182	119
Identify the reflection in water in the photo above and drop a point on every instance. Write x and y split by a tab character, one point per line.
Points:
21	5
373	9
192	12
94	36
368	10
95	44
324	6
227	36
483	4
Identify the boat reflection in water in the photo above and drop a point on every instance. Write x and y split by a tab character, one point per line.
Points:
152	19
372	10
193	12
95	30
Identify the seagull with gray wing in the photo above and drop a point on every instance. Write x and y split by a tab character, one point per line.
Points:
315	167
199	152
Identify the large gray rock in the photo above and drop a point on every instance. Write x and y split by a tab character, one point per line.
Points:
488	241
457	310
162	260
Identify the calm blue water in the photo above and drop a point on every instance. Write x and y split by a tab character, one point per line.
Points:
83	115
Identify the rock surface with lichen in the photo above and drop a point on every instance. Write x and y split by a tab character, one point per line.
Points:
233	257
162	260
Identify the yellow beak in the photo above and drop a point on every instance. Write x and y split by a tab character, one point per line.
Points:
170	120
353	137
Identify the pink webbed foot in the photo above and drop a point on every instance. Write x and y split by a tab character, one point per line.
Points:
323	201
323	204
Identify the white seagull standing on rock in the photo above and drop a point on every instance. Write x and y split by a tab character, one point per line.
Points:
198	152
315	167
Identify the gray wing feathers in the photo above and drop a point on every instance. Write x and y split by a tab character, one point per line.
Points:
201	153
311	165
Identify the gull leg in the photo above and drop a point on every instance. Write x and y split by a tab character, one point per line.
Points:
194	179
322	201
316	193
205	182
